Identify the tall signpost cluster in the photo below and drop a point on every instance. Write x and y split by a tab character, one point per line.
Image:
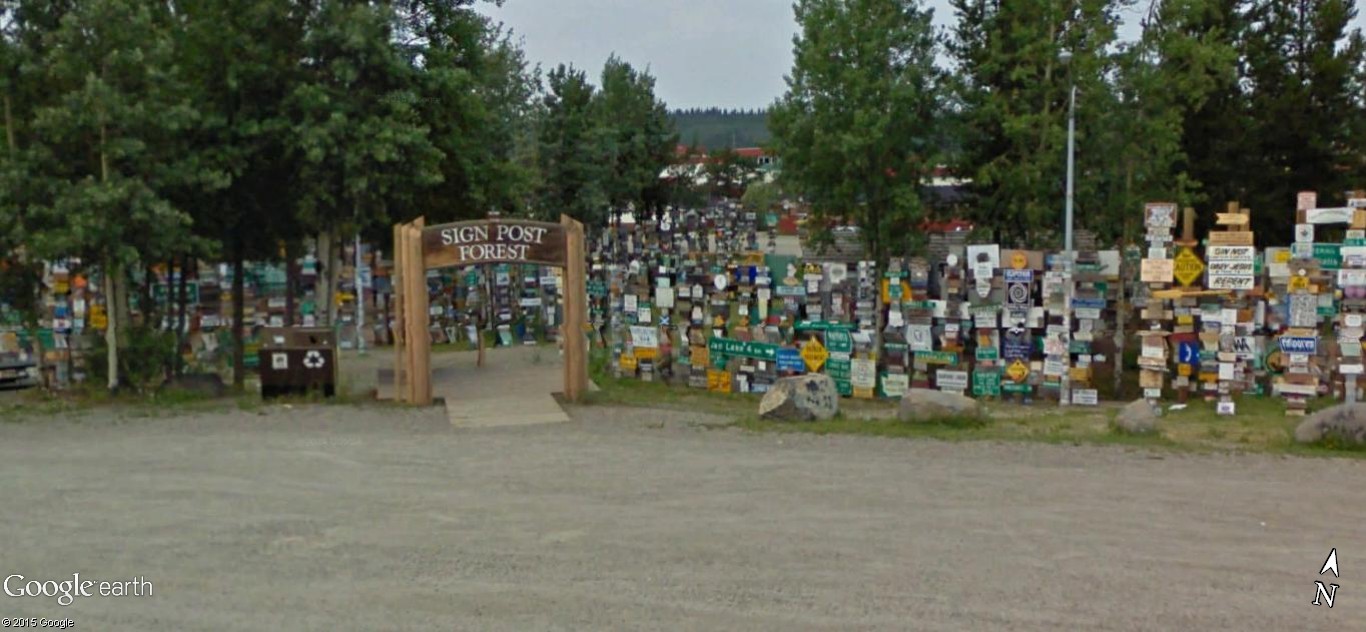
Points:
1156	273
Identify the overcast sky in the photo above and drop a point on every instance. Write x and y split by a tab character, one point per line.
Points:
724	53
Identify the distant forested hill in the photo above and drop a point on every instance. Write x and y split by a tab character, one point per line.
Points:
715	128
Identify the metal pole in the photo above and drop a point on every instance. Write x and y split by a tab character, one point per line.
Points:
1071	151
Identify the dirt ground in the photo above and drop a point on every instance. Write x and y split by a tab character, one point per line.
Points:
374	518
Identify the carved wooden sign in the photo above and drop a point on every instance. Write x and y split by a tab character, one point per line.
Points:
493	241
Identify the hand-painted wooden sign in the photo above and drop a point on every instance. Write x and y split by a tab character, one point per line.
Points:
1231	238
1157	270
493	241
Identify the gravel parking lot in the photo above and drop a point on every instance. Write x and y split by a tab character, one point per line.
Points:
374	518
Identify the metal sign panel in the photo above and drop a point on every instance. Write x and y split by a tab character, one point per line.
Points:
1298	344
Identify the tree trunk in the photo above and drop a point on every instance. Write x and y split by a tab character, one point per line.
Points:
150	310
239	365
334	265
9	127
112	325
291	282
183	301
125	314
324	283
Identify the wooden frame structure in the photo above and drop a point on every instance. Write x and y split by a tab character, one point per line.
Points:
418	248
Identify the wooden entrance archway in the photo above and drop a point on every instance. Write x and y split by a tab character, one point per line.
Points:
418	248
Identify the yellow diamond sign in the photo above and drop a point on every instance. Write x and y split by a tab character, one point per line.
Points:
1017	371
1188	267
814	354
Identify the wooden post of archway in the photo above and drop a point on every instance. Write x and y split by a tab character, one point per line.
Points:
418	248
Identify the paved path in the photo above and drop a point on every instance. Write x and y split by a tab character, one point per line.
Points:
514	387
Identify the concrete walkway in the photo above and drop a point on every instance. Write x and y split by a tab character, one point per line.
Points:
515	386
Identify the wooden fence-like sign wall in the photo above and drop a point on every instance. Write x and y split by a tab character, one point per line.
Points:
418	248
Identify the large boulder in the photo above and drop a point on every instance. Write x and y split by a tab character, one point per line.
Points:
923	404
1344	423
801	398
1139	417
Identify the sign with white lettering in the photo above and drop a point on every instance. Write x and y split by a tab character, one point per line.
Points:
493	241
1298	344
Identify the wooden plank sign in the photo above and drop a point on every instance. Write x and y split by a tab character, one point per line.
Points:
1157	270
1231	219
1231	238
493	241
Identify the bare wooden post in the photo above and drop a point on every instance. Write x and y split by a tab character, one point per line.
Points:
419	336
575	314
400	276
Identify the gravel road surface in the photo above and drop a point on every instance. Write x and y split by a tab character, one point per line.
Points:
373	518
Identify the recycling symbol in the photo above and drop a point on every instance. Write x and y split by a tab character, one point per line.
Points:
314	360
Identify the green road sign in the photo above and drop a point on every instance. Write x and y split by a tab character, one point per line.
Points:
986	383
937	357
729	347
839	341
839	371
1329	256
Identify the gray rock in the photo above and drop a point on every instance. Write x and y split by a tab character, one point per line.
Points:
1345	423
923	404
1139	417
801	398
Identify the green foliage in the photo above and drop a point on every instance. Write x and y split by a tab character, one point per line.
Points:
715	128
760	197
142	362
857	126
572	158
1013	91
602	148
1301	66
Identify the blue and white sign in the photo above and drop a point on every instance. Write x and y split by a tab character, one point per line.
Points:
1087	303
1299	344
1019	276
1188	353
790	360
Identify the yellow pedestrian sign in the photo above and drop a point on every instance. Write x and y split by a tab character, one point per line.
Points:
1018	371
1188	267
814	354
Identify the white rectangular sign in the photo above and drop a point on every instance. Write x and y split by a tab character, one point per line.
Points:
1337	215
956	381
1231	282
645	337
863	373
1085	397
1230	253
895	384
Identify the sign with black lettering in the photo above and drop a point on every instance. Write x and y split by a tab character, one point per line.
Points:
493	241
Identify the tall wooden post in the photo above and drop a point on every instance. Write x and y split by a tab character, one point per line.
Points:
400	313
575	312
419	336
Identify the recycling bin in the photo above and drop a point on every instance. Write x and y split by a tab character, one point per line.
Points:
298	361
